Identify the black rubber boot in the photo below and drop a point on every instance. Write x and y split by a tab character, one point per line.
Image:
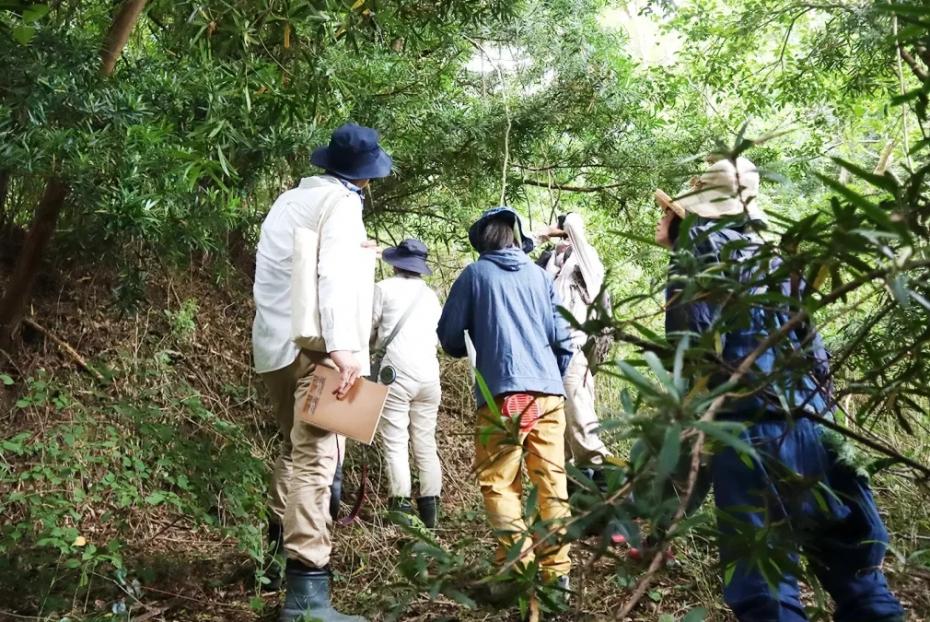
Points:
308	596
428	508
599	477
273	568
401	511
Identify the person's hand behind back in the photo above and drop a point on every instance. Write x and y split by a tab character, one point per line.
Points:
349	370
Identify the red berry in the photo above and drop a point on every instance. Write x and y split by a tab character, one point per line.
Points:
618	538
635	554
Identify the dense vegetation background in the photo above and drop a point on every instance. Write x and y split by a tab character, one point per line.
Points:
141	143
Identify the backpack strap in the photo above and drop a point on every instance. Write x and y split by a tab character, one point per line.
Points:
382	347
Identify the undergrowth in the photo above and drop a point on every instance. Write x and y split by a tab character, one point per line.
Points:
145	494
97	473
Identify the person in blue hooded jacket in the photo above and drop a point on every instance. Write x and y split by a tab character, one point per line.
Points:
795	494
522	343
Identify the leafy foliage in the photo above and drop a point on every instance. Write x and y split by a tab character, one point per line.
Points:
552	106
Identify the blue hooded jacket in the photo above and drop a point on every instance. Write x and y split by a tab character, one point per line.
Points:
509	308
794	375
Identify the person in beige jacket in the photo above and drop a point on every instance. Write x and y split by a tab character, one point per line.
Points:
406	313
578	276
331	206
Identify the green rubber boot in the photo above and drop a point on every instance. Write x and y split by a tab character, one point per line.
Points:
307	597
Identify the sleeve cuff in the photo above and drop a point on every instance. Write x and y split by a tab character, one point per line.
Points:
339	337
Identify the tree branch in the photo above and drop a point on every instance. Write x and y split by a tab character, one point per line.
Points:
915	67
567	188
871	444
118	35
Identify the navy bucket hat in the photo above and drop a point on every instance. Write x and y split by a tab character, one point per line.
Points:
409	255
353	153
505	213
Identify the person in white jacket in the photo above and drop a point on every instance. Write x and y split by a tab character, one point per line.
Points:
579	276
406	313
330	205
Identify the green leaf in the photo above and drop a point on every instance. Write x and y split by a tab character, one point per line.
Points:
872	211
626	400
35	12
6	380
695	615
728	573
23	34
155	498
899	290
885	182
722	431
671	450
679	364
630	373
486	393
223	162
661	373
903	98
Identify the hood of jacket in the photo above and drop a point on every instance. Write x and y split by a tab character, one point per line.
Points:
510	259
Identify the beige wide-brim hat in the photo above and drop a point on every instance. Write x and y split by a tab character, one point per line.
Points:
726	190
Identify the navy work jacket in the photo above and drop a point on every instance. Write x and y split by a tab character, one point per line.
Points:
509	308
729	299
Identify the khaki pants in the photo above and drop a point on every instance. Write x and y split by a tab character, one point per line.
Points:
304	470
410	414
583	443
499	457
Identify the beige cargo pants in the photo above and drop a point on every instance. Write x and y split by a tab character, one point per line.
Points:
582	442
410	411
304	470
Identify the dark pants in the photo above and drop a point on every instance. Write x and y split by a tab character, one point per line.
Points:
795	497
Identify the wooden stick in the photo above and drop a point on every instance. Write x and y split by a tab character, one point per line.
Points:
65	347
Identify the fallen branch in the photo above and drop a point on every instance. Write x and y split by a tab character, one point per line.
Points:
65	347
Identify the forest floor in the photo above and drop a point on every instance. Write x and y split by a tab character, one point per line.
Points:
197	326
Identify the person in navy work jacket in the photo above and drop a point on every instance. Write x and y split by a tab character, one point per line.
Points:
509	307
772	500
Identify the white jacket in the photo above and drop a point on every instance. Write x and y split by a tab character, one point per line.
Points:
345	299
413	352
576	294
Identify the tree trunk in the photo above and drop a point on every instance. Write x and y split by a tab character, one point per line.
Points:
27	265
19	288
118	34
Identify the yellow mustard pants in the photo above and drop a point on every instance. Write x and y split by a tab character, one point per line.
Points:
501	448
